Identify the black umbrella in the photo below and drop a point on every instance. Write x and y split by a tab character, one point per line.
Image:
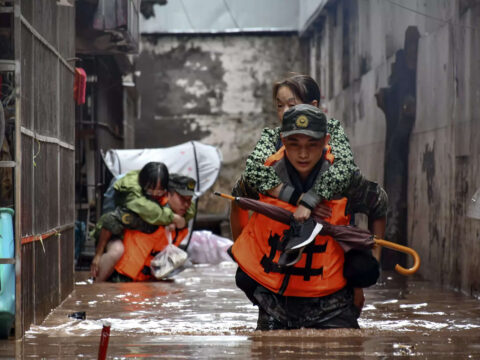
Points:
348	237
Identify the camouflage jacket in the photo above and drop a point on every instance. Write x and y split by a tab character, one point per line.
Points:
364	196
334	181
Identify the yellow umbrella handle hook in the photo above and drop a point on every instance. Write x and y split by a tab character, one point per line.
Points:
400	269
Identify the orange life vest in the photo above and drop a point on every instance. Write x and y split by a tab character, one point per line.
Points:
140	248
320	269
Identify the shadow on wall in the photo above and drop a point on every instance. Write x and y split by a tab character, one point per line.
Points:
398	102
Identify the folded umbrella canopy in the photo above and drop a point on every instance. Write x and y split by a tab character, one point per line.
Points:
348	237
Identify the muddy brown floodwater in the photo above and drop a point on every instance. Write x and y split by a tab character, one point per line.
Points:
202	315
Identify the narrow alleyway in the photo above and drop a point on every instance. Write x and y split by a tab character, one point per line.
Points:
202	315
80	79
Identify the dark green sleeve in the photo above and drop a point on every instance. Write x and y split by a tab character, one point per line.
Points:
338	176
243	189
366	197
258	176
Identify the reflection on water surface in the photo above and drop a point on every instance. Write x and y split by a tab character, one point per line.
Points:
202	315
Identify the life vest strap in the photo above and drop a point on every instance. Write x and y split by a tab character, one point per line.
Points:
291	270
308	264
274	242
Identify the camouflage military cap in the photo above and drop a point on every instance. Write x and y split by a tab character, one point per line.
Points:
184	185
304	119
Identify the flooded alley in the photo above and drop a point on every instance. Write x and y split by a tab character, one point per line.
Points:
202	315
328	128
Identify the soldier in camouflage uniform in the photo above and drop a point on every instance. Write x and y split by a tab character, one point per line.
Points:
181	190
361	269
342	178
140	199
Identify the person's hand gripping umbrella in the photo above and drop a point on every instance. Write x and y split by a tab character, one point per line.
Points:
348	237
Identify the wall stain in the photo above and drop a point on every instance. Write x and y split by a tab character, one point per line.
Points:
428	167
180	129
185	80
214	89
365	64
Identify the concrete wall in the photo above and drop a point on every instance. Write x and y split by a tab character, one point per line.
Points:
214	89
352	60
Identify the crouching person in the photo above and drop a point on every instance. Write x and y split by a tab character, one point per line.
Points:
140	198
140	247
305	287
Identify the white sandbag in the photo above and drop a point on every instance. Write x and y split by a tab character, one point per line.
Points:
208	248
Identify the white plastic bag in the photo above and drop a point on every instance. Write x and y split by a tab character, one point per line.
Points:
208	248
168	259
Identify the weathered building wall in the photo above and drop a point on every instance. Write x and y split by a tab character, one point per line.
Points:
353	47
214	89
445	158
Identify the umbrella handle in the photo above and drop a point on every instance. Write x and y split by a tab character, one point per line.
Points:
400	269
225	196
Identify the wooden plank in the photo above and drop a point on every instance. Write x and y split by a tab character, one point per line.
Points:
67	187
67	109
27	74
67	266
45	92
27	186
47	44
45	25
27	287
41	197
46	277
66	32
52	185
26	8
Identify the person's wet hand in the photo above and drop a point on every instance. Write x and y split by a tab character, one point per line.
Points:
322	211
302	213
179	221
95	265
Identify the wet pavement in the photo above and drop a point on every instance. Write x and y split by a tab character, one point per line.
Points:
202	315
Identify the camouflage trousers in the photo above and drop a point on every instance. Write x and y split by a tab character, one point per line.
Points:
289	312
